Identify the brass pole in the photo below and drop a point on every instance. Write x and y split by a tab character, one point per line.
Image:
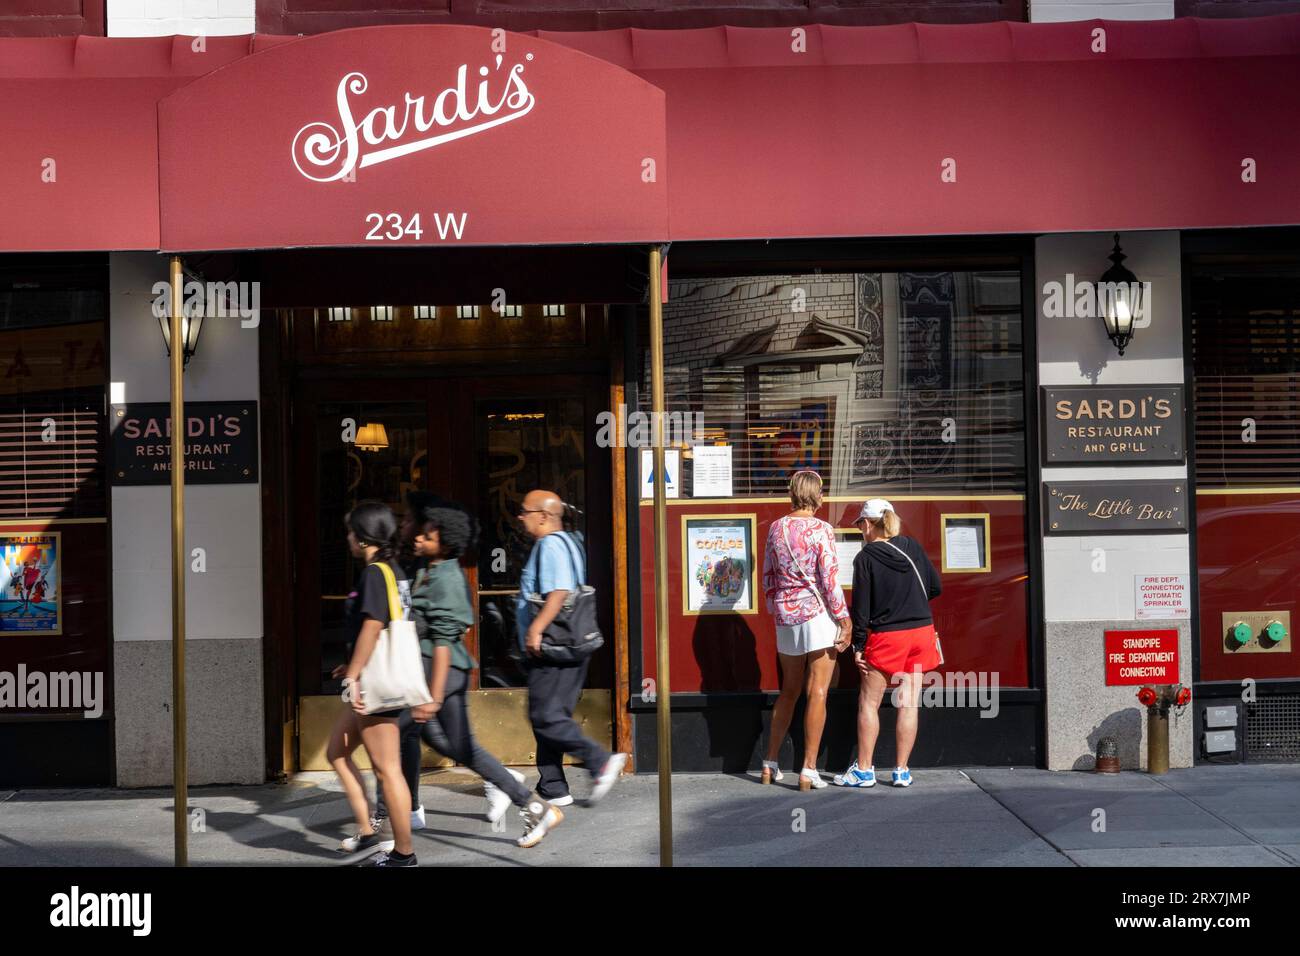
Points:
1157	741
179	760
662	688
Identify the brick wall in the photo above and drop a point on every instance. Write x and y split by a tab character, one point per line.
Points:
705	317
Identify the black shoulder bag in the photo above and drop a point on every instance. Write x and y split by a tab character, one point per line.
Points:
574	634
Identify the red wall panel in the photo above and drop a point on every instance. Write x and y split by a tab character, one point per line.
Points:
982	618
1248	559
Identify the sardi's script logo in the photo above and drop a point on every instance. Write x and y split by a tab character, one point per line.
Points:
75	908
324	153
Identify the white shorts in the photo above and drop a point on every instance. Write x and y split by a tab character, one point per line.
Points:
815	635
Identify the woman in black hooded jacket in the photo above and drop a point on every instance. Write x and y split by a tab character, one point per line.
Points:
893	635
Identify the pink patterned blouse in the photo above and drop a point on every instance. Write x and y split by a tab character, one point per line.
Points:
812	543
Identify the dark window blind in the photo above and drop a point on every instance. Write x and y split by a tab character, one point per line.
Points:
52	458
1246	355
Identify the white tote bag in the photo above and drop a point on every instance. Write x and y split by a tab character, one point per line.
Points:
394	678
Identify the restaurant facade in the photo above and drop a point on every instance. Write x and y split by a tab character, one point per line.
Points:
423	258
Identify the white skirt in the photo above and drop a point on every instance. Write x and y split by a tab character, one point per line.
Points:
815	635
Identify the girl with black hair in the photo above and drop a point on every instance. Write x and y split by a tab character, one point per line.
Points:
372	536
442	611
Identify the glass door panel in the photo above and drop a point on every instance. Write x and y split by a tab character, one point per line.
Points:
388	458
524	444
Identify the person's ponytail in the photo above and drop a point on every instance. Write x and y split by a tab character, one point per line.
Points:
891	524
372	523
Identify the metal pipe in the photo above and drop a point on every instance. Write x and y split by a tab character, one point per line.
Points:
662	684
1157	741
179	750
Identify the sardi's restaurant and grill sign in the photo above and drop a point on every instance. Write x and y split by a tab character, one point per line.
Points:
1115	507
1112	424
220	443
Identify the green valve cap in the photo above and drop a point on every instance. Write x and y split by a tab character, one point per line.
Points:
1241	632
1275	631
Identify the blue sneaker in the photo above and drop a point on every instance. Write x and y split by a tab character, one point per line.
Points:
902	778
854	777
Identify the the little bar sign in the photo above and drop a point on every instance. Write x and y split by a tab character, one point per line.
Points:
220	443
1111	507
1141	657
1112	424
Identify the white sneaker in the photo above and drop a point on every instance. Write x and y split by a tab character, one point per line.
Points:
564	801
417	818
810	779
498	801
539	819
607	777
350	844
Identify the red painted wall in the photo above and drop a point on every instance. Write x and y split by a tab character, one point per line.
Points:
981	618
1248	559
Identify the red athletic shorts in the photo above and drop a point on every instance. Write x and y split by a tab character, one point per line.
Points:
898	652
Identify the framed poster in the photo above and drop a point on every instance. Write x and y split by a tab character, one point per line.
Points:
718	564
965	544
33	599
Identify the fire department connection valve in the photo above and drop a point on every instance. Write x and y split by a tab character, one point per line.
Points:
1241	632
1274	632
1157	700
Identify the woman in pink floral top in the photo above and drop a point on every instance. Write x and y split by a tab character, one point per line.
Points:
800	581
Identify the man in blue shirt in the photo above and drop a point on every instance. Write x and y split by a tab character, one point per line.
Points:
555	567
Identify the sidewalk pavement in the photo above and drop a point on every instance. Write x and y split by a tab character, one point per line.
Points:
1211	815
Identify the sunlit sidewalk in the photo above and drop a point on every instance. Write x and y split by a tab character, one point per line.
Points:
1221	816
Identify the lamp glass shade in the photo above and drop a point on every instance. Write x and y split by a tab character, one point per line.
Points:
191	325
372	437
1117	295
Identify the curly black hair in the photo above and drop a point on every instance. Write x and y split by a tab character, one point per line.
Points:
457	529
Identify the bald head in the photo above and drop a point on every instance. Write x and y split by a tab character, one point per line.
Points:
542	513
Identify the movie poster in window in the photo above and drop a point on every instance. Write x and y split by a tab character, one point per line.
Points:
784	442
29	571
718	564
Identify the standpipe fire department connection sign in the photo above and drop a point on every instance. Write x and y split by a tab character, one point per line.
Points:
220	443
1141	657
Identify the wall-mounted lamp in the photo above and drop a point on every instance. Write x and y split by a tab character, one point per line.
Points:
1118	294
190	327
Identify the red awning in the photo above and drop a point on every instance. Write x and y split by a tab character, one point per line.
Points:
1094	125
413	136
774	132
79	147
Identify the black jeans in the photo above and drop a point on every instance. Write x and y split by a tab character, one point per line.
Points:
449	734
553	691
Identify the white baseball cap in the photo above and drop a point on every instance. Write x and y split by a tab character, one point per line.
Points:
874	509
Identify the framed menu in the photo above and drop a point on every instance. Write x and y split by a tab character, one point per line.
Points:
965	543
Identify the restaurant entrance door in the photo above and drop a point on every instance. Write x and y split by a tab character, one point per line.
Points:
484	441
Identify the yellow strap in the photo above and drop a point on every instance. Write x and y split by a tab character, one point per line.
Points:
394	602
